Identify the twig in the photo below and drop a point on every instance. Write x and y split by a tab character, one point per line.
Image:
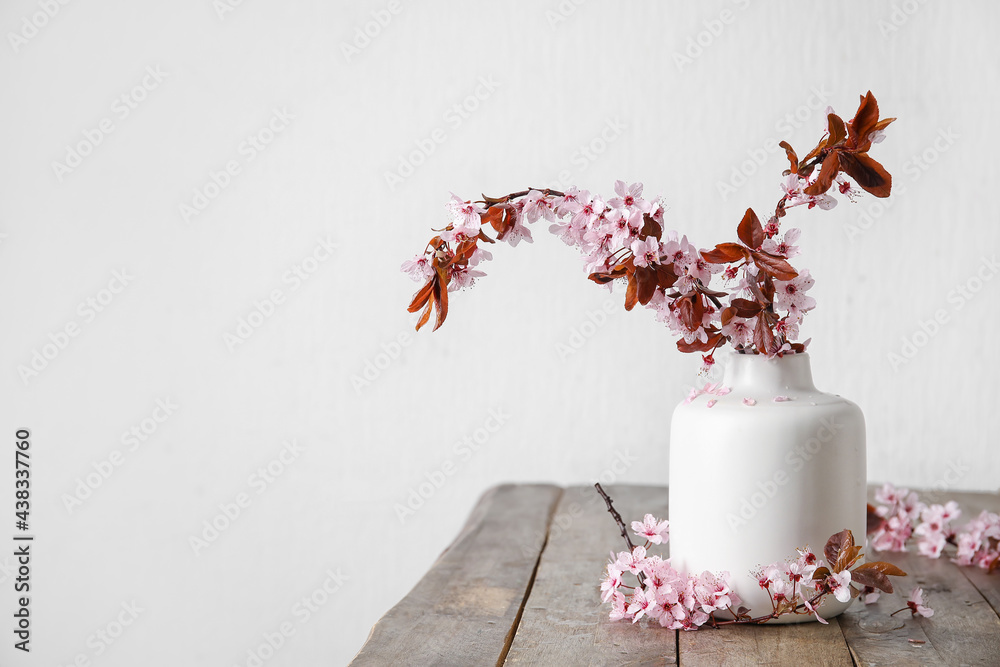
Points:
616	515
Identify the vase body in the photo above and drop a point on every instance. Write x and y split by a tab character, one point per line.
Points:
752	479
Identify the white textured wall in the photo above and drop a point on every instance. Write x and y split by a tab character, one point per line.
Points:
554	87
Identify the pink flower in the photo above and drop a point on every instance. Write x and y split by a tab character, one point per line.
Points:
916	604
632	561
651	528
612	580
791	295
618	607
466	216
740	331
870	595
640	604
711	403
537	205
646	252
629	196
419	268
518	231
781	399
840	585
814	612
750	402
785	247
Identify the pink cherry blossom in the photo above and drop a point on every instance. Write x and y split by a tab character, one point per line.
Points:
652	529
640	604
749	402
537	205
465	215
791	294
917	605
781	399
632	561
419	268
785	247
612	580
840	584
646	252
629	196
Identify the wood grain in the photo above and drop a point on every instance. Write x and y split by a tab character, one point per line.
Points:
564	622
465	609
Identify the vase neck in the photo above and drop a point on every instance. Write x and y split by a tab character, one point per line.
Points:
779	374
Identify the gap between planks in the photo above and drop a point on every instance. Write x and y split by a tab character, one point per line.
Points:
509	640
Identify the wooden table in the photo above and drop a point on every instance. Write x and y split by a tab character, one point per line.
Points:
519	586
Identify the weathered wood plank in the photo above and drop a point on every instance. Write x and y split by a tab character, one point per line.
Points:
798	644
465	609
564	622
965	629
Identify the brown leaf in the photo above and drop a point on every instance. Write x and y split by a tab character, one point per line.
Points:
698	346
867	173
750	231
745	307
831	167
665	276
763	337
793	159
632	293
646	279
821	573
836	545
441	298
493	217
873	574
864	120
484	237
773	265
421	297
650	227
725	253
727	315
426	315
836	128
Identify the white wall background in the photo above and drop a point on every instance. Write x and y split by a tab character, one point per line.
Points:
881	269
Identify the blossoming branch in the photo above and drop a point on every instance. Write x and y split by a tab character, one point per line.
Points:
763	298
685	601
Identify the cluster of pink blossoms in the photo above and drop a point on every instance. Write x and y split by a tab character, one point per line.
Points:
673	599
679	601
901	515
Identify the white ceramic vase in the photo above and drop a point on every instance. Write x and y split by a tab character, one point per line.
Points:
752	478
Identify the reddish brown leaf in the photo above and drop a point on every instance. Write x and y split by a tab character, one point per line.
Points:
831	167
837	130
426	315
650	227
421	297
441	298
698	346
727	315
836	544
665	276
763	337
646	280
493	217
821	573
750	231
883	567
773	265
725	253
745	307
870	574
632	293
864	121
484	237
867	173
793	159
